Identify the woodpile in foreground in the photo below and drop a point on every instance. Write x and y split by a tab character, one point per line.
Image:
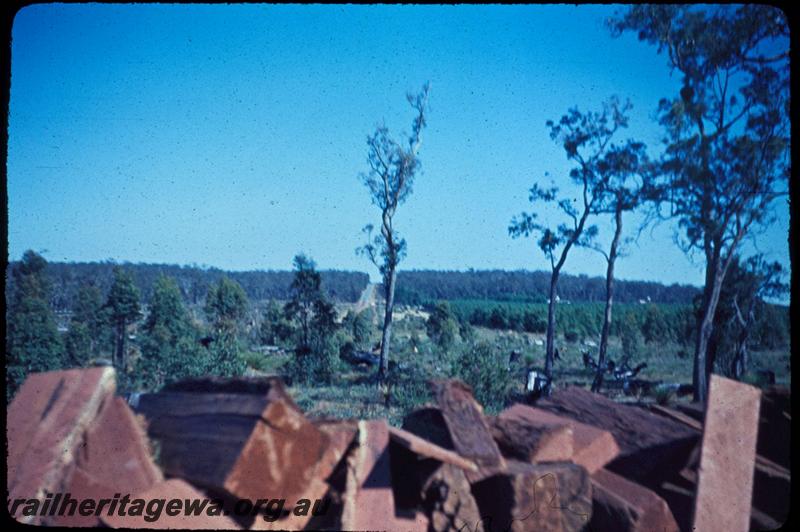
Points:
243	450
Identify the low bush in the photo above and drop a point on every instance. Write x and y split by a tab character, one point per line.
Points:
485	370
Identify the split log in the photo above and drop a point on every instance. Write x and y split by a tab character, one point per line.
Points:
593	448
651	447
422	447
243	437
208	518
114	458
369	499
553	497
725	477
532	441
625	506
468	429
46	423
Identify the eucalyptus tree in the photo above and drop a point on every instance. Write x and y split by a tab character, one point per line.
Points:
726	158
307	295
225	307
624	172
393	165
586	138
743	301
32	339
315	316
88	327
122	307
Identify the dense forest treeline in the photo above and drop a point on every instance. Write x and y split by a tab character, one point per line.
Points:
421	286
67	278
416	287
165	341
653	323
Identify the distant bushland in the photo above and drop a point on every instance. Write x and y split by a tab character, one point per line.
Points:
420	286
583	319
193	281
655	323
414	287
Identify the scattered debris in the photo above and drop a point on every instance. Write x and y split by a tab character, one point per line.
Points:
537	384
623	375
361	358
576	461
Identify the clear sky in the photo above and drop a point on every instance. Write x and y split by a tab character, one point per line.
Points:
234	135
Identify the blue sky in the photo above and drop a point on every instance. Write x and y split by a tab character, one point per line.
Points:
234	135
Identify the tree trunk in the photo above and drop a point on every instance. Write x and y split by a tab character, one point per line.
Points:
304	326
387	325
703	364
551	326
120	355
551	309
743	357
612	257
740	358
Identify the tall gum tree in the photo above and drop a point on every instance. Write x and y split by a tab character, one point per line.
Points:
586	138
726	158
625	172
392	167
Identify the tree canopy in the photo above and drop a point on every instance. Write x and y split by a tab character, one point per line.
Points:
32	340
726	156
170	348
393	165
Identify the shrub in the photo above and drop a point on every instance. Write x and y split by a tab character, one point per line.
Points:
534	323
409	387
226	355
484	370
629	335
442	327
319	364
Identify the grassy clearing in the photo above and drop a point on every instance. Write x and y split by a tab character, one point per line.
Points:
355	395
